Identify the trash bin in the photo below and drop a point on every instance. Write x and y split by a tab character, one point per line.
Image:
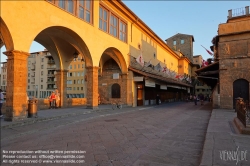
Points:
32	108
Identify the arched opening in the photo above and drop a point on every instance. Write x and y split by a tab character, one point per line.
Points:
240	89
60	66
112	77
115	91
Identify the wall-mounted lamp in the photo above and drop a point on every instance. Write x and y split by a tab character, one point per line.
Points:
76	56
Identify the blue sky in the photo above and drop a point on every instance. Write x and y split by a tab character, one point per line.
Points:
167	18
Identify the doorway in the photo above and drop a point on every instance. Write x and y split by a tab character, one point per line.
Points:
240	89
139	94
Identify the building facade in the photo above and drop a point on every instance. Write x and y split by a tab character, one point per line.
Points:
109	37
229	75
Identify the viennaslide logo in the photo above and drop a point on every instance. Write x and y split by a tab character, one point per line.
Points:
233	155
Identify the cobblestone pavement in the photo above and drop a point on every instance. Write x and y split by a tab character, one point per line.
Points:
169	134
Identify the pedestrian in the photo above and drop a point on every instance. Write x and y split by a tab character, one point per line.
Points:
57	103
1	102
195	100
158	100
52	100
202	99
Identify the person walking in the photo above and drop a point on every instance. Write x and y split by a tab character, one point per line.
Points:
57	99
1	102
52	100
195	100
158	100
202	99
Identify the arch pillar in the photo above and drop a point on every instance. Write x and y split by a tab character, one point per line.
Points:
16	95
61	84
92	87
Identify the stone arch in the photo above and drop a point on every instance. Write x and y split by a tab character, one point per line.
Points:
5	36
116	55
62	43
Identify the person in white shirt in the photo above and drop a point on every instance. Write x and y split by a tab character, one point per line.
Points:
1	102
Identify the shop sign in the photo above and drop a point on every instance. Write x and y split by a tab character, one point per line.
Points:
163	87
138	79
149	83
115	75
173	86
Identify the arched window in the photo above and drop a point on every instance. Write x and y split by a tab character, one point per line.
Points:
116	91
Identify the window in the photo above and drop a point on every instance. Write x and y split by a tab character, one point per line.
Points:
82	73
78	74
81	88
70	66
122	33
85	10
41	79
42	59
61	4
113	26
115	91
74	81
70	74
182	41
41	66
174	42
77	88
28	80
78	82
78	66
82	81
28	87
41	72
82	65
41	86
103	19
28	74
74	66
70	6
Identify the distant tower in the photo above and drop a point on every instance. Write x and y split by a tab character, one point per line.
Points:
183	43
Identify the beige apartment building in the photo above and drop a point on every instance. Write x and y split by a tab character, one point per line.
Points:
3	76
42	76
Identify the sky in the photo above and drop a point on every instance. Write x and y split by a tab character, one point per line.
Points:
167	18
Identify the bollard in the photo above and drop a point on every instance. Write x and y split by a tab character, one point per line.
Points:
32	108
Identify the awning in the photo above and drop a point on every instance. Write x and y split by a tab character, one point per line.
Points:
209	74
169	81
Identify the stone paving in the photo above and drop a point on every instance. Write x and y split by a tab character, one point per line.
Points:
169	134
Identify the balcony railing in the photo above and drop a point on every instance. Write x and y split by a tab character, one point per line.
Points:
238	12
51	75
51	62
50	82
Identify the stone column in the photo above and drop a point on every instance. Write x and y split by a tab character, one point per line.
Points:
126	90
61	84
16	95
92	87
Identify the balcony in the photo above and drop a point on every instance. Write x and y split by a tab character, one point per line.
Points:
51	75
51	67
51	62
50	82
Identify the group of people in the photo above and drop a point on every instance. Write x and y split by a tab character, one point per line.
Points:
54	99
197	98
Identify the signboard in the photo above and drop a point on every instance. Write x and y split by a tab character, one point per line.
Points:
173	86
163	87
115	75
149	83
138	79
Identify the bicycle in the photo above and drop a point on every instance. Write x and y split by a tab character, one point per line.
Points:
117	105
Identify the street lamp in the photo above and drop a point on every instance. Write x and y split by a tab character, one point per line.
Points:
76	56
